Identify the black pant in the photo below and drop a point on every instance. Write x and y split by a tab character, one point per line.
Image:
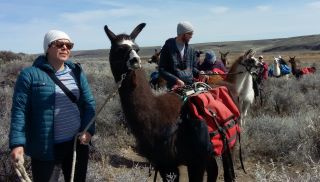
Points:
45	171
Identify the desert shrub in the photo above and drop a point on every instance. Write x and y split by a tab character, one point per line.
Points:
112	129
274	172
284	97
5	101
286	127
7	56
272	136
282	133
13	68
290	139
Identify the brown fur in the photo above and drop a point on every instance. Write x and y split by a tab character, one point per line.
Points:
233	75
296	70
224	59
155	58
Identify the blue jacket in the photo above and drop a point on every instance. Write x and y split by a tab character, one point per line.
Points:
32	112
173	67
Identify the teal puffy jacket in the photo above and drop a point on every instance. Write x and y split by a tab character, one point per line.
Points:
32	112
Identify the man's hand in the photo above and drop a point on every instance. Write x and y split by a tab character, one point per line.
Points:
203	77
85	138
180	83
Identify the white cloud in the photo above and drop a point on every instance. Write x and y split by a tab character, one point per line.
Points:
263	8
88	16
107	2
315	5
219	9
220	22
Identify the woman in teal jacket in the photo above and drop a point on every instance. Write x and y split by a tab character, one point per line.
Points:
44	120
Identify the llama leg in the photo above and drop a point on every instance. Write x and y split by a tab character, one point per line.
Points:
212	170
228	168
169	174
244	110
196	171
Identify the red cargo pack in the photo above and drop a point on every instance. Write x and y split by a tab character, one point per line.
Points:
217	108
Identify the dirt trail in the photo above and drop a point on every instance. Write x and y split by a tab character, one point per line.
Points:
240	175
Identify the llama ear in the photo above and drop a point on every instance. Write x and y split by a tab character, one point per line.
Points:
250	53
137	30
109	33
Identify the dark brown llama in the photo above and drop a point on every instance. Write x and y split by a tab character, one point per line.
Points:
162	137
156	81
224	59
298	72
155	58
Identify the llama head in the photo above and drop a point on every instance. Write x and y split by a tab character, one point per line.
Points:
155	58
292	59
124	51
223	57
276	60
249	60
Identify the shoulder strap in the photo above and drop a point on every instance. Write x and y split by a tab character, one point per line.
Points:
77	72
71	96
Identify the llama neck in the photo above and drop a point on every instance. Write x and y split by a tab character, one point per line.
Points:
276	69
136	100
240	78
242	81
147	115
294	67
224	61
135	91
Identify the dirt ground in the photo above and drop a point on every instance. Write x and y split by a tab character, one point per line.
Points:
129	154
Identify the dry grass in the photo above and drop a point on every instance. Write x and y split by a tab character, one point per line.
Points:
280	142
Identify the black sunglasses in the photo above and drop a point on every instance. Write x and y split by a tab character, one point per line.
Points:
60	44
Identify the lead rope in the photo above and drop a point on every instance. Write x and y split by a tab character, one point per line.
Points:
21	171
123	76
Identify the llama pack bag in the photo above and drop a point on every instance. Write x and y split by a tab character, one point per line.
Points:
216	108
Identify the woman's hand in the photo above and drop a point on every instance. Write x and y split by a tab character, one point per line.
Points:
85	138
17	153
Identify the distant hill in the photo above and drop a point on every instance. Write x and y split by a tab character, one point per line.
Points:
307	43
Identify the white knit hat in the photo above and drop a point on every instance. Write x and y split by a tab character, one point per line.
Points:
51	36
184	27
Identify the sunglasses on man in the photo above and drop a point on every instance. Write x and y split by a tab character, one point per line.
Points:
59	44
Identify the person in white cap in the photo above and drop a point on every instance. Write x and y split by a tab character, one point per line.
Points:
46	118
178	67
178	59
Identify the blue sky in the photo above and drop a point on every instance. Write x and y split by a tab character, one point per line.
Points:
24	23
